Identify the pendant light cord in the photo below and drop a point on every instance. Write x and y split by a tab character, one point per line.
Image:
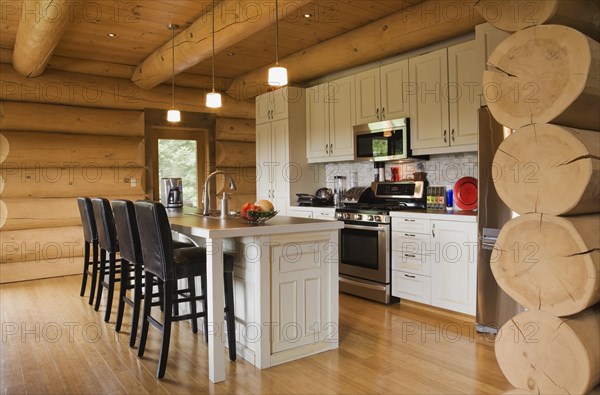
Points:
276	33
173	64
213	47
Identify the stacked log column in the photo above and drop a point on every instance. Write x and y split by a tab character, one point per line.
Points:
545	84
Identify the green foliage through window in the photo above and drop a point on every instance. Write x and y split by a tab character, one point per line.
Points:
177	158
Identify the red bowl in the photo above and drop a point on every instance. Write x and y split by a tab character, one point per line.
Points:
465	193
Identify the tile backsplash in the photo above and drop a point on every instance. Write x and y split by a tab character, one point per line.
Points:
442	170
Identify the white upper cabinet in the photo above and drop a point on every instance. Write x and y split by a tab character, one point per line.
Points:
446	87
380	93
329	121
274	105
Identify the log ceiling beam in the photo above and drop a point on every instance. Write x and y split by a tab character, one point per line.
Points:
193	45
117	70
41	27
423	24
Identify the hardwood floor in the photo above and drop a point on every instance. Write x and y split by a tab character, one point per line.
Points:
54	342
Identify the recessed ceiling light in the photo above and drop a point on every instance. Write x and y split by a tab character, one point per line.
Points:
307	15
112	35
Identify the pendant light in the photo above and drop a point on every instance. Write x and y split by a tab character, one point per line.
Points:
213	99
277	74
173	115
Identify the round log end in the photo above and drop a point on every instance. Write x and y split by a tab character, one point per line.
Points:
545	354
533	167
511	16
549	263
3	213
4	148
540	74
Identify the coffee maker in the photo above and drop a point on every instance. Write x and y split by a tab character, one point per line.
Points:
171	192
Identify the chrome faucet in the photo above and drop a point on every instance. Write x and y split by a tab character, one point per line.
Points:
205	197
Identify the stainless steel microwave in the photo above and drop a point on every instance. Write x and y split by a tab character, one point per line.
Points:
382	141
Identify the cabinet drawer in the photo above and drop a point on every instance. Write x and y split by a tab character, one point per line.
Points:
300	213
411	286
411	262
412	243
414	225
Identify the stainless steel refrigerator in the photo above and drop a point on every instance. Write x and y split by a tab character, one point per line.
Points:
494	306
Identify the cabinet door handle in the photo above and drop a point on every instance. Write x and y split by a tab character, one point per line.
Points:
409	235
409	276
409	255
408	220
433	230
445	133
327	149
330	149
383	113
377	113
452	135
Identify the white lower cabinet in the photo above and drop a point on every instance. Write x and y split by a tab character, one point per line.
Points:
299	279
454	266
327	213
411	286
435	262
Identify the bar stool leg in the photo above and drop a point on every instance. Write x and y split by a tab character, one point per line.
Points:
101	272
193	308
86	266
204	307
95	265
230	315
137	300
125	266
146	313
166	329
111	284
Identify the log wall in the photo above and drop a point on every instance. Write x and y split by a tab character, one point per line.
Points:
64	135
49	155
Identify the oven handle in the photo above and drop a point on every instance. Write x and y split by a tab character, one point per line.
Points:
371	228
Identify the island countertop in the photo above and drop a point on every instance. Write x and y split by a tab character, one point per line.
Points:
189	218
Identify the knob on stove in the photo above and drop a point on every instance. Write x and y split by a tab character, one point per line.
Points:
359	216
370	218
346	215
377	218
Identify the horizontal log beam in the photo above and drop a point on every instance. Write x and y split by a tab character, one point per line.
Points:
234	129
400	32
60	87
41	245
69	119
32	270
39	33
118	70
194	44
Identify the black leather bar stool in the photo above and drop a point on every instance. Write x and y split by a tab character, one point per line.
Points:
107	238
131	255
90	237
161	260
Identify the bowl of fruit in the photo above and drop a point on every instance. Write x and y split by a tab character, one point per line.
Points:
258	212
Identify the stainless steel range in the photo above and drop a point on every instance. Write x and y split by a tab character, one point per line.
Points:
365	241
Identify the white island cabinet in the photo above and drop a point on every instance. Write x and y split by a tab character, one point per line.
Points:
434	259
285	285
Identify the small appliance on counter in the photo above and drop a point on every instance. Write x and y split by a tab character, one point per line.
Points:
323	197
171	192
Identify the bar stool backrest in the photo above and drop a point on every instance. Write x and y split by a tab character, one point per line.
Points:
155	238
127	231
86	211
107	233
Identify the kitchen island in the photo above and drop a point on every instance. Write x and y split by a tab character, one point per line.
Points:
285	285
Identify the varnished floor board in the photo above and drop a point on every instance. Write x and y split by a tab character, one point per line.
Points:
54	342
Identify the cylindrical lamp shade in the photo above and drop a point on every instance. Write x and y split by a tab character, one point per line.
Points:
278	76
173	116
213	100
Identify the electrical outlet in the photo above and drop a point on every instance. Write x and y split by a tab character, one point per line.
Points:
133	182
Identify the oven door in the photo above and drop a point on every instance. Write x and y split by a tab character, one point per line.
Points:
364	251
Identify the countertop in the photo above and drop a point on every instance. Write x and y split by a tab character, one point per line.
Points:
191	220
449	215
